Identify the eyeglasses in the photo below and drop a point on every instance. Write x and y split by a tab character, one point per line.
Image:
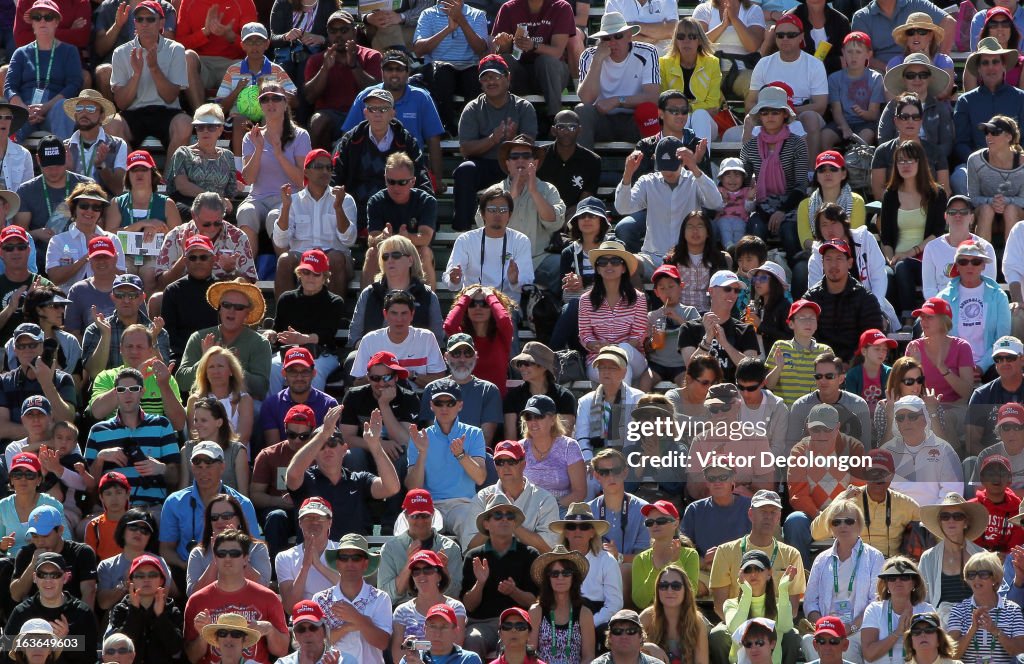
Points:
913	381
121	650
21	246
832	641
605	472
566	126
958	212
752	569
423	571
394	256
271	98
514	627
146	19
660	521
497	209
230	633
952	516
907	417
29	346
825	376
920	75
478	304
498	516
444	403
463	352
129	295
147	575
578	526
703	381
982	574
501	463
615	37
401	182
999	359
605	261
121	389
670	585
79	108
906	162
23	475
514	156
677	110
92	207
305	629
964	262
234	306
756	643
43	17
923	630
295	435
139	528
377	110
564	573
228	553
207	127
619	631
748	388
222	516
843	521
212	224
767	112
687	36
1011	427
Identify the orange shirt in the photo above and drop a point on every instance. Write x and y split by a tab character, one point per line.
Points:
99	534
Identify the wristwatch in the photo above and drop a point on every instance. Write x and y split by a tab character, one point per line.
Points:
460	456
622	100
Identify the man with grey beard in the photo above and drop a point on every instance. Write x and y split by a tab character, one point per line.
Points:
480	398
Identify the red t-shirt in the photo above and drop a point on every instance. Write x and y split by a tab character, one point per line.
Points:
873	389
253	601
342	88
270	465
1000	535
555	18
192	19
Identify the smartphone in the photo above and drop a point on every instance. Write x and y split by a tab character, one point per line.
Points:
49	351
135	454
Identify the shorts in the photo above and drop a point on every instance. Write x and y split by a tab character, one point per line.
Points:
855	127
152	121
667	373
212	68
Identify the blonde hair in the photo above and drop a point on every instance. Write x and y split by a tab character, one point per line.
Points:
405	245
844	507
209	109
704	47
985	561
202	385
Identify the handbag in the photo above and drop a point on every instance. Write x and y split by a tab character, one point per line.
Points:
540	311
725	119
569	366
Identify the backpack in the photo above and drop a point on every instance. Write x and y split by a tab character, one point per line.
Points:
540	311
858	165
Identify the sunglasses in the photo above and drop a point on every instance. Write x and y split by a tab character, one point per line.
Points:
605	261
333	442
605	472
907	417
515	156
478	304
619	631
79	108
207	127
139	528
147	575
50	575
913	381
975	262
228	553
130	295
385	378
305	629
212	224
756	643
917	75
752	569
687	36
234	306
399	182
999	359
719	408
199	257
670	585
993	131
272	99
498	516
377	110
615	37
723	477
146	19
825	376
908	117
122	650
93	207
832	641
579	526
462	352
923	630
501	463
514	627
731	289
748	388
497	209
827	169
420	516
29	346
844	521
660	521
982	574
952	516
320	167
121	389
444	403
770	112
525	363
423	571
674	110
958	212
222	516
394	256
21	246
564	573
44	17
23	475
788	35
530	417
295	435
566	126
338	31
1011	427
352	557
230	633
900	577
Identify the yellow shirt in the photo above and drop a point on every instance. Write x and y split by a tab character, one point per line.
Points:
705	82
911	224
902	510
725	568
804	225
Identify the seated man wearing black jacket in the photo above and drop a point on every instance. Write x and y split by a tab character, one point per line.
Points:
147	615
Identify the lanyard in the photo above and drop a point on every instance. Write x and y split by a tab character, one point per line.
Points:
993	642
87	155
775	548
853	575
888	515
623	515
554	638
504	248
49	65
46	195
888	620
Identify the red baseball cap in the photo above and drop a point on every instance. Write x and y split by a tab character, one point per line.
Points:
298	355
882	459
645	116
515	611
445	611
838	245
858	36
830	625
670	271
996	459
26	460
933	306
388	360
300	414
114	477
47	5
830	158
13	232
154	7
662	506
315	261
425	556
148	559
873	337
1010	412
198	243
316	505
418	501
509	449
307	611
313	154
997	11
790	18
141	157
101	245
802	304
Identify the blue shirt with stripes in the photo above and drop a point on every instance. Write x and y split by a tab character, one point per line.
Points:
455	47
154	436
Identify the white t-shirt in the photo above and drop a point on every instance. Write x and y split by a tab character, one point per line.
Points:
879	616
652	11
494	271
289	562
938	260
372	603
729	41
806	75
419	353
626	78
971	319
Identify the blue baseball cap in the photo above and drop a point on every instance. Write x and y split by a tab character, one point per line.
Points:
43	520
36	402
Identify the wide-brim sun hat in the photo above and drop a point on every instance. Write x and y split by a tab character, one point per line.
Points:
255	296
774	269
895	85
580	513
358	543
989	46
559	553
233	622
496	502
13	202
915	21
612	23
977	516
20	114
771	97
612	248
88	96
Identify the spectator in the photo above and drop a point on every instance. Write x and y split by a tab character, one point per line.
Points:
364	631
415	348
582	534
905	378
999	160
835	25
26	476
334	77
1005	632
625	640
921	645
311	642
442	636
829	641
614	107
48	535
147	76
19	268
1001	503
755	575
486	123
738	29
302	571
112	28
572	169
101	342
219	376
937	261
201	571
909	115
272	155
919	76
451	38
69	254
560	597
880	21
667	547
509	268
718	333
673	622
491	574
233	644
240	305
698	255
232	254
665	323
212	32
927	480
481	318
34	628
536	366
624	323
603	415
719	518
183	302
203	166
997	98
401	209
44	306
149	616
620	509
855	94
691	52
768	308
298	390
33	376
998	23
206	608
136	535
1009	424
396	576
211	423
347	491
981	20
91	150
869	373
18	169
738	196
920	34
482	396
114	490
829	376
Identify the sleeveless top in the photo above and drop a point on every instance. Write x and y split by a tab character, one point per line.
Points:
230	408
561	645
157	208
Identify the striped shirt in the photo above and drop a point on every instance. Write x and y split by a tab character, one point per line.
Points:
154	436
793	156
623	322
797	376
984	647
454	48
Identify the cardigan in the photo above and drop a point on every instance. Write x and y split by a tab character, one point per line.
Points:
931	571
934	223
705	81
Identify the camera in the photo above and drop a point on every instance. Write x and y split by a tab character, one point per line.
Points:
413	643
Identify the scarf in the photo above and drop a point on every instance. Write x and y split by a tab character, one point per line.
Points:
844	201
606	418
772	180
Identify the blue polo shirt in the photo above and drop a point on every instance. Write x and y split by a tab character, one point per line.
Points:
481	402
181	519
154	436
276	406
871	20
444	477
415	110
627	527
454	48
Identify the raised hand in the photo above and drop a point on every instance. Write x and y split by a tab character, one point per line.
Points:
481	570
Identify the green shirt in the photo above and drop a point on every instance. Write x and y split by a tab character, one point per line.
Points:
645	577
251	348
797	377
152	400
